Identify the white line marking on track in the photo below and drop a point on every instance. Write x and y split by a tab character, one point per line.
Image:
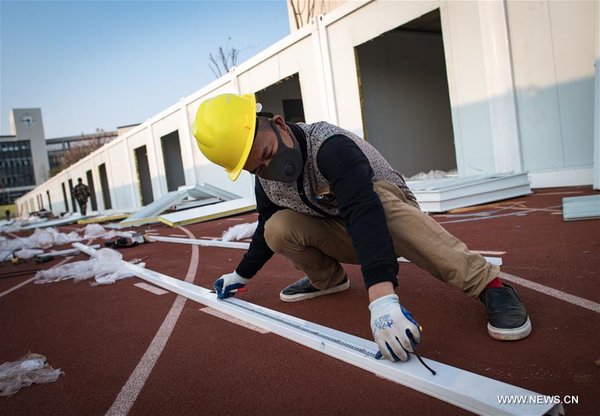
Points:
151	288
233	320
512	214
12	289
132	388
555	293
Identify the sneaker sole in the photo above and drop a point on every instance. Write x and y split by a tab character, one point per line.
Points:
303	296
513	334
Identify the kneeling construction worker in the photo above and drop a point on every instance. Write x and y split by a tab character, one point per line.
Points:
325	196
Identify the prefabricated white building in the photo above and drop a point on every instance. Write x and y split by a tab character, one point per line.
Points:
482	87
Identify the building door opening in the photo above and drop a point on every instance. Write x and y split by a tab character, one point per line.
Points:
104	186
73	204
90	184
173	163
49	200
405	100
284	98
64	192
143	172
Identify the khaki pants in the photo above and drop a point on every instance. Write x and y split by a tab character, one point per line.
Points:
318	245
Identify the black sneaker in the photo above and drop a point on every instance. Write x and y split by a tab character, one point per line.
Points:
303	289
507	316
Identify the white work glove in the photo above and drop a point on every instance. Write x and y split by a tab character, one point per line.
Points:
391	325
228	284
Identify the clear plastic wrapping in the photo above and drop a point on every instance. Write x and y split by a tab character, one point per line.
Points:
29	369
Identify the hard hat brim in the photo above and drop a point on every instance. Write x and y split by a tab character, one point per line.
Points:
234	173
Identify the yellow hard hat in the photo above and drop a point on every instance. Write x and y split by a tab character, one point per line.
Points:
224	130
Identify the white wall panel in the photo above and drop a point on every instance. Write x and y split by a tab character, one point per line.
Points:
596	179
467	83
553	57
124	189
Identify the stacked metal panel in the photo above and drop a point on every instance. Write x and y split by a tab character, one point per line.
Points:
581	207
211	212
441	195
208	202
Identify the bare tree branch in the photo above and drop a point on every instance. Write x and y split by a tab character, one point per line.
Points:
225	59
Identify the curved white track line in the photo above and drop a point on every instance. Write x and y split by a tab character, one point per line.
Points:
132	388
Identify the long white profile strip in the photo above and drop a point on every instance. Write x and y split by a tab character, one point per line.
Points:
492	260
231	244
68	251
198	242
461	388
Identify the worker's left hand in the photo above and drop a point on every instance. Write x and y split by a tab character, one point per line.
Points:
228	284
392	327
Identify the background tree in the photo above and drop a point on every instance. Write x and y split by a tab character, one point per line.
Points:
303	11
224	59
74	154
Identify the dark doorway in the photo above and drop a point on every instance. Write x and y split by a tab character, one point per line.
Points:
90	184
104	186
73	204
284	98
49	200
405	98
64	191
293	111
172	158
143	171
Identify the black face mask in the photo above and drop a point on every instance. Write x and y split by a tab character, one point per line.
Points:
286	164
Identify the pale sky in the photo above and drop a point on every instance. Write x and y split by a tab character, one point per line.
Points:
103	64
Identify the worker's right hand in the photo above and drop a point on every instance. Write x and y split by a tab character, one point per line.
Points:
392	327
228	284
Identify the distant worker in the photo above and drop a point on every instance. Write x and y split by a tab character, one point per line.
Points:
81	192
7	214
325	196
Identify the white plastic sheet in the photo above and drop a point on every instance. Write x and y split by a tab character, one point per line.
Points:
29	369
240	231
98	231
44	238
106	267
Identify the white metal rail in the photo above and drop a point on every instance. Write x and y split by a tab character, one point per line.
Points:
461	388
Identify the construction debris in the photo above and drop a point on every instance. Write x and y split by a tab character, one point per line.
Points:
28	247
40	239
106	267
581	208
27	370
